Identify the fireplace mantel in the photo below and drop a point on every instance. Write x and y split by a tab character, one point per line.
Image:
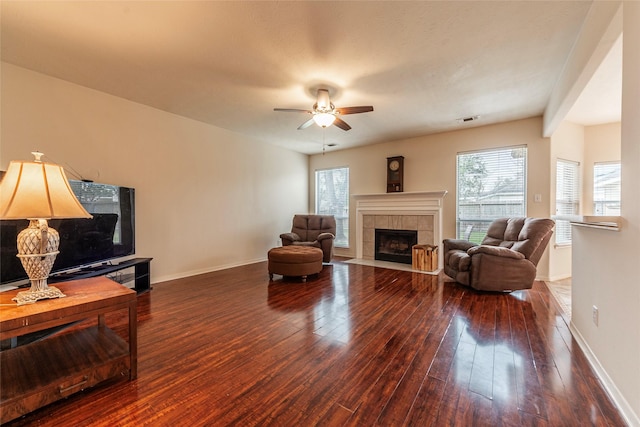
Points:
401	205
403	199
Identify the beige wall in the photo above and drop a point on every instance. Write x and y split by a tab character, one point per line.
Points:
586	145
430	165
605	266
206	198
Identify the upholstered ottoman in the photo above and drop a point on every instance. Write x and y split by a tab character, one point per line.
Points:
296	261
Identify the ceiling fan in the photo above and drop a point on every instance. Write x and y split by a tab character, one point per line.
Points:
325	113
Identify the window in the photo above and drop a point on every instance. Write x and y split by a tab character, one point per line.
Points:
606	188
332	198
491	185
567	197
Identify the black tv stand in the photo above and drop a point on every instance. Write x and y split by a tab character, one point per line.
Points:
142	273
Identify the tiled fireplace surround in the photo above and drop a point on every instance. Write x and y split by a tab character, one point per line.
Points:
421	211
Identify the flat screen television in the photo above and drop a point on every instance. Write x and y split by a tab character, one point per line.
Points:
84	242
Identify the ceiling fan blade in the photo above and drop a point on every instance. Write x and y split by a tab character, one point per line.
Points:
341	124
292	110
306	124
354	110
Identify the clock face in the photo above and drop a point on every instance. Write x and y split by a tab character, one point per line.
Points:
394	165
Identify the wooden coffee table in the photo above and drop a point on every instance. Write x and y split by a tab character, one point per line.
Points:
39	373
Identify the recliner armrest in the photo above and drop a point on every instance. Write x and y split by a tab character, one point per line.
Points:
323	236
292	237
495	250
463	245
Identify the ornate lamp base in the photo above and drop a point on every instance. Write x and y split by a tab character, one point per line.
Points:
31	296
37	250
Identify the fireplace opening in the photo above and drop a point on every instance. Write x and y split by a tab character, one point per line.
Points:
394	245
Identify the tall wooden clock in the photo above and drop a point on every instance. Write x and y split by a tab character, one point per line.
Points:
395	174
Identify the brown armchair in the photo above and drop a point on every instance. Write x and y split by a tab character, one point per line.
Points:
312	230
507	258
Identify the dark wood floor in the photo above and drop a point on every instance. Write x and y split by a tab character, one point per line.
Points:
356	346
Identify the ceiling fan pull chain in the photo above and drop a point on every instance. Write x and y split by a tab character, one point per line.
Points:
323	146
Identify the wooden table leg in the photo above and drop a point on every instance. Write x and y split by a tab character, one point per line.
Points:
133	339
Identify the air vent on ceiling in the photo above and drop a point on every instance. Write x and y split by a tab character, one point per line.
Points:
467	119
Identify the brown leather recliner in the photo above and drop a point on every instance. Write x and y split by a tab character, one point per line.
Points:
507	258
312	230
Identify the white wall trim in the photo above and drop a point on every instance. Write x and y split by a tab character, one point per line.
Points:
625	409
405	203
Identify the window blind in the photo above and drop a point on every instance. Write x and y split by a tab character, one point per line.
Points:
491	184
567	197
332	198
606	188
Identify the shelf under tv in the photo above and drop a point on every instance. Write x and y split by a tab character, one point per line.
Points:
141	276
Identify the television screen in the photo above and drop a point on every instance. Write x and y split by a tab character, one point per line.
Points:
109	234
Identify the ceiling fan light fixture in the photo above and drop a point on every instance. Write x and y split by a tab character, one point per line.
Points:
324	119
325	114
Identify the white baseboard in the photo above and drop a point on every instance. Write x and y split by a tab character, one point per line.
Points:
556	278
625	409
205	270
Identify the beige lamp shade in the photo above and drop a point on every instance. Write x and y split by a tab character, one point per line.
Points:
37	189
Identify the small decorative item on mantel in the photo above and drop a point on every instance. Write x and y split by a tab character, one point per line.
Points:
395	174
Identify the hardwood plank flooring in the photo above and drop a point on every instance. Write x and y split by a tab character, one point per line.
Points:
355	346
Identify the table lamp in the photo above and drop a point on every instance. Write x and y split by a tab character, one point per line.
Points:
38	191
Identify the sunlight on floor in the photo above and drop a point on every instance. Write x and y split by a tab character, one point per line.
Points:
561	290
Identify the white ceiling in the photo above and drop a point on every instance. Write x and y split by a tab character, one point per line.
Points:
422	65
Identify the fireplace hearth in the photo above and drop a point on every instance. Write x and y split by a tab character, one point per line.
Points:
395	245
